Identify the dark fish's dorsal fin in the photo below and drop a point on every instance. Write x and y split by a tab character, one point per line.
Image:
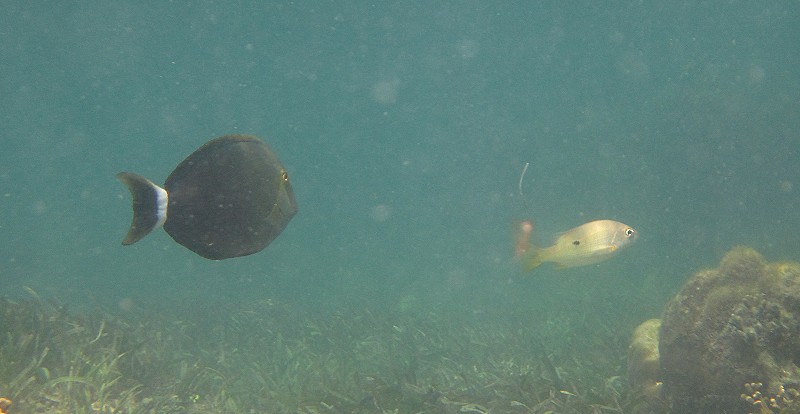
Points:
149	206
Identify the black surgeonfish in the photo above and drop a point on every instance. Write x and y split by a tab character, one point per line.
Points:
230	198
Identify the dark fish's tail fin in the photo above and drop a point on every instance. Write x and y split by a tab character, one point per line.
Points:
149	206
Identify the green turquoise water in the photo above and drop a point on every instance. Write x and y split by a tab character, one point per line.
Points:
405	128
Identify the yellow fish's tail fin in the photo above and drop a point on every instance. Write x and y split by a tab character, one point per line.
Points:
532	259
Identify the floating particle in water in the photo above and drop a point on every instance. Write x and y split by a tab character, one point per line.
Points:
467	48
381	213
39	207
385	91
756	74
126	304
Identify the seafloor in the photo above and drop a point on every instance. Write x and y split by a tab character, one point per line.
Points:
268	357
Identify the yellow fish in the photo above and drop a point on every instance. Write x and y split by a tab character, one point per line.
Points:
589	243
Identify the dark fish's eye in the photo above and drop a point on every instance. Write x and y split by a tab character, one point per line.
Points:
285	176
629	232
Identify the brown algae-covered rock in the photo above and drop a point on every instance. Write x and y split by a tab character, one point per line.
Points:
644	369
643	359
727	327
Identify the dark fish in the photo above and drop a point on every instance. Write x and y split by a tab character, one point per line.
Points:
230	198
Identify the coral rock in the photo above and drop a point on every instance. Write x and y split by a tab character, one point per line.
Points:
643	358
644	369
730	326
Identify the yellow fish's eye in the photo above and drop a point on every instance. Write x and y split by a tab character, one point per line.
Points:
285	176
629	232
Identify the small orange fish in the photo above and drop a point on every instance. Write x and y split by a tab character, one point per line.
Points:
523	237
586	244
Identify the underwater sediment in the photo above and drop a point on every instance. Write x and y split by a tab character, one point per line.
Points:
265	356
730	339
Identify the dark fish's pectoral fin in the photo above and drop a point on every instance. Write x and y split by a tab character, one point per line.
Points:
149	206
